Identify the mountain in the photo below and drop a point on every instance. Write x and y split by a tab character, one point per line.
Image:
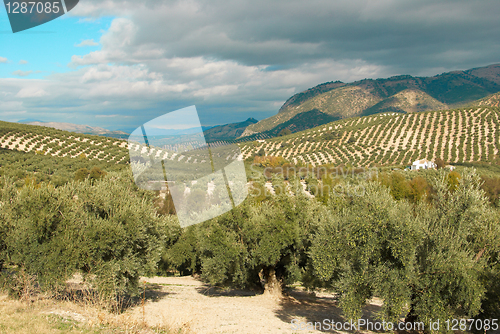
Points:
299	122
28	120
457	136
408	100
77	128
403	93
227	131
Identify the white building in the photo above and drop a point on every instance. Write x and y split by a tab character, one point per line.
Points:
422	164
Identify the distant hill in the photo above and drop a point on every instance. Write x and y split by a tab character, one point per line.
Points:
402	93
467	134
77	128
492	100
227	131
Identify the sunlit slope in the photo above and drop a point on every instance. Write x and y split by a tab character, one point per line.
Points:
59	143
458	135
48	141
343	102
492	100
406	101
402	93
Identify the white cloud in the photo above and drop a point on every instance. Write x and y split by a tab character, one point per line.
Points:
87	42
22	73
3	60
29	92
23	62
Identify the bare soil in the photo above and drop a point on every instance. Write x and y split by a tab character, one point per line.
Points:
185	302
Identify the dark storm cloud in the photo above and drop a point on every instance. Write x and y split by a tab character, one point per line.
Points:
408	35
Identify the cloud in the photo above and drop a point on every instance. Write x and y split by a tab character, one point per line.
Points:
30	92
245	59
22	73
3	60
23	62
87	42
406	35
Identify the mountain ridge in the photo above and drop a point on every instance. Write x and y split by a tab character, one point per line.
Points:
78	128
442	91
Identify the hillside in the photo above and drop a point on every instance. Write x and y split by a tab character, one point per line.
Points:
458	135
492	100
406	101
402	93
59	143
227	131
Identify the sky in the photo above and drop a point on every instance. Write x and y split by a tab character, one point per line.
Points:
120	63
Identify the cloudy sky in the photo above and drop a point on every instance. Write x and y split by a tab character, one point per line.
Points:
119	63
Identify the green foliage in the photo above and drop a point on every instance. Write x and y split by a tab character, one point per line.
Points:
491	186
284	132
82	174
426	263
59	171
87	227
367	243
439	163
246	246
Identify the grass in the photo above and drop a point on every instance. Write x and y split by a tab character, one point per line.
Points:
48	316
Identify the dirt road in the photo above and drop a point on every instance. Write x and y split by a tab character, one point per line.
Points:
188	303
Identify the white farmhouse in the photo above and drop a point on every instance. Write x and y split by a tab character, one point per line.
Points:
422	164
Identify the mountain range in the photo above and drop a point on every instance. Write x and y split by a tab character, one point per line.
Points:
77	128
402	94
337	100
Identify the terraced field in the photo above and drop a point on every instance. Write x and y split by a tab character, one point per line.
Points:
459	135
60	143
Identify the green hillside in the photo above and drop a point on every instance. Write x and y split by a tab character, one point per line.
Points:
456	136
402	93
59	143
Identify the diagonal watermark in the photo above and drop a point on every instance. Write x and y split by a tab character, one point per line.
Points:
170	153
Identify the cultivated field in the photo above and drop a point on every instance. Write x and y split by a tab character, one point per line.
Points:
459	135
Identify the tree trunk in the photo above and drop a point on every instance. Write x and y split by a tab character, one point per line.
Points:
272	286
411	317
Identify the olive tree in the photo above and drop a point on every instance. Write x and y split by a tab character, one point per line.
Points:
259	242
424	261
105	230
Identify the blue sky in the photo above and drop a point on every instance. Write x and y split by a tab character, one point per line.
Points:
47	48
142	59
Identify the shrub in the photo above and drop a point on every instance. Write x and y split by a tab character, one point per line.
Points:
434	262
85	227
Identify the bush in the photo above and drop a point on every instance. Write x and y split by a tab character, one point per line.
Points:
255	244
85	227
284	132
434	261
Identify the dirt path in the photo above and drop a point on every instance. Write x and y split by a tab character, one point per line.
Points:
184	302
